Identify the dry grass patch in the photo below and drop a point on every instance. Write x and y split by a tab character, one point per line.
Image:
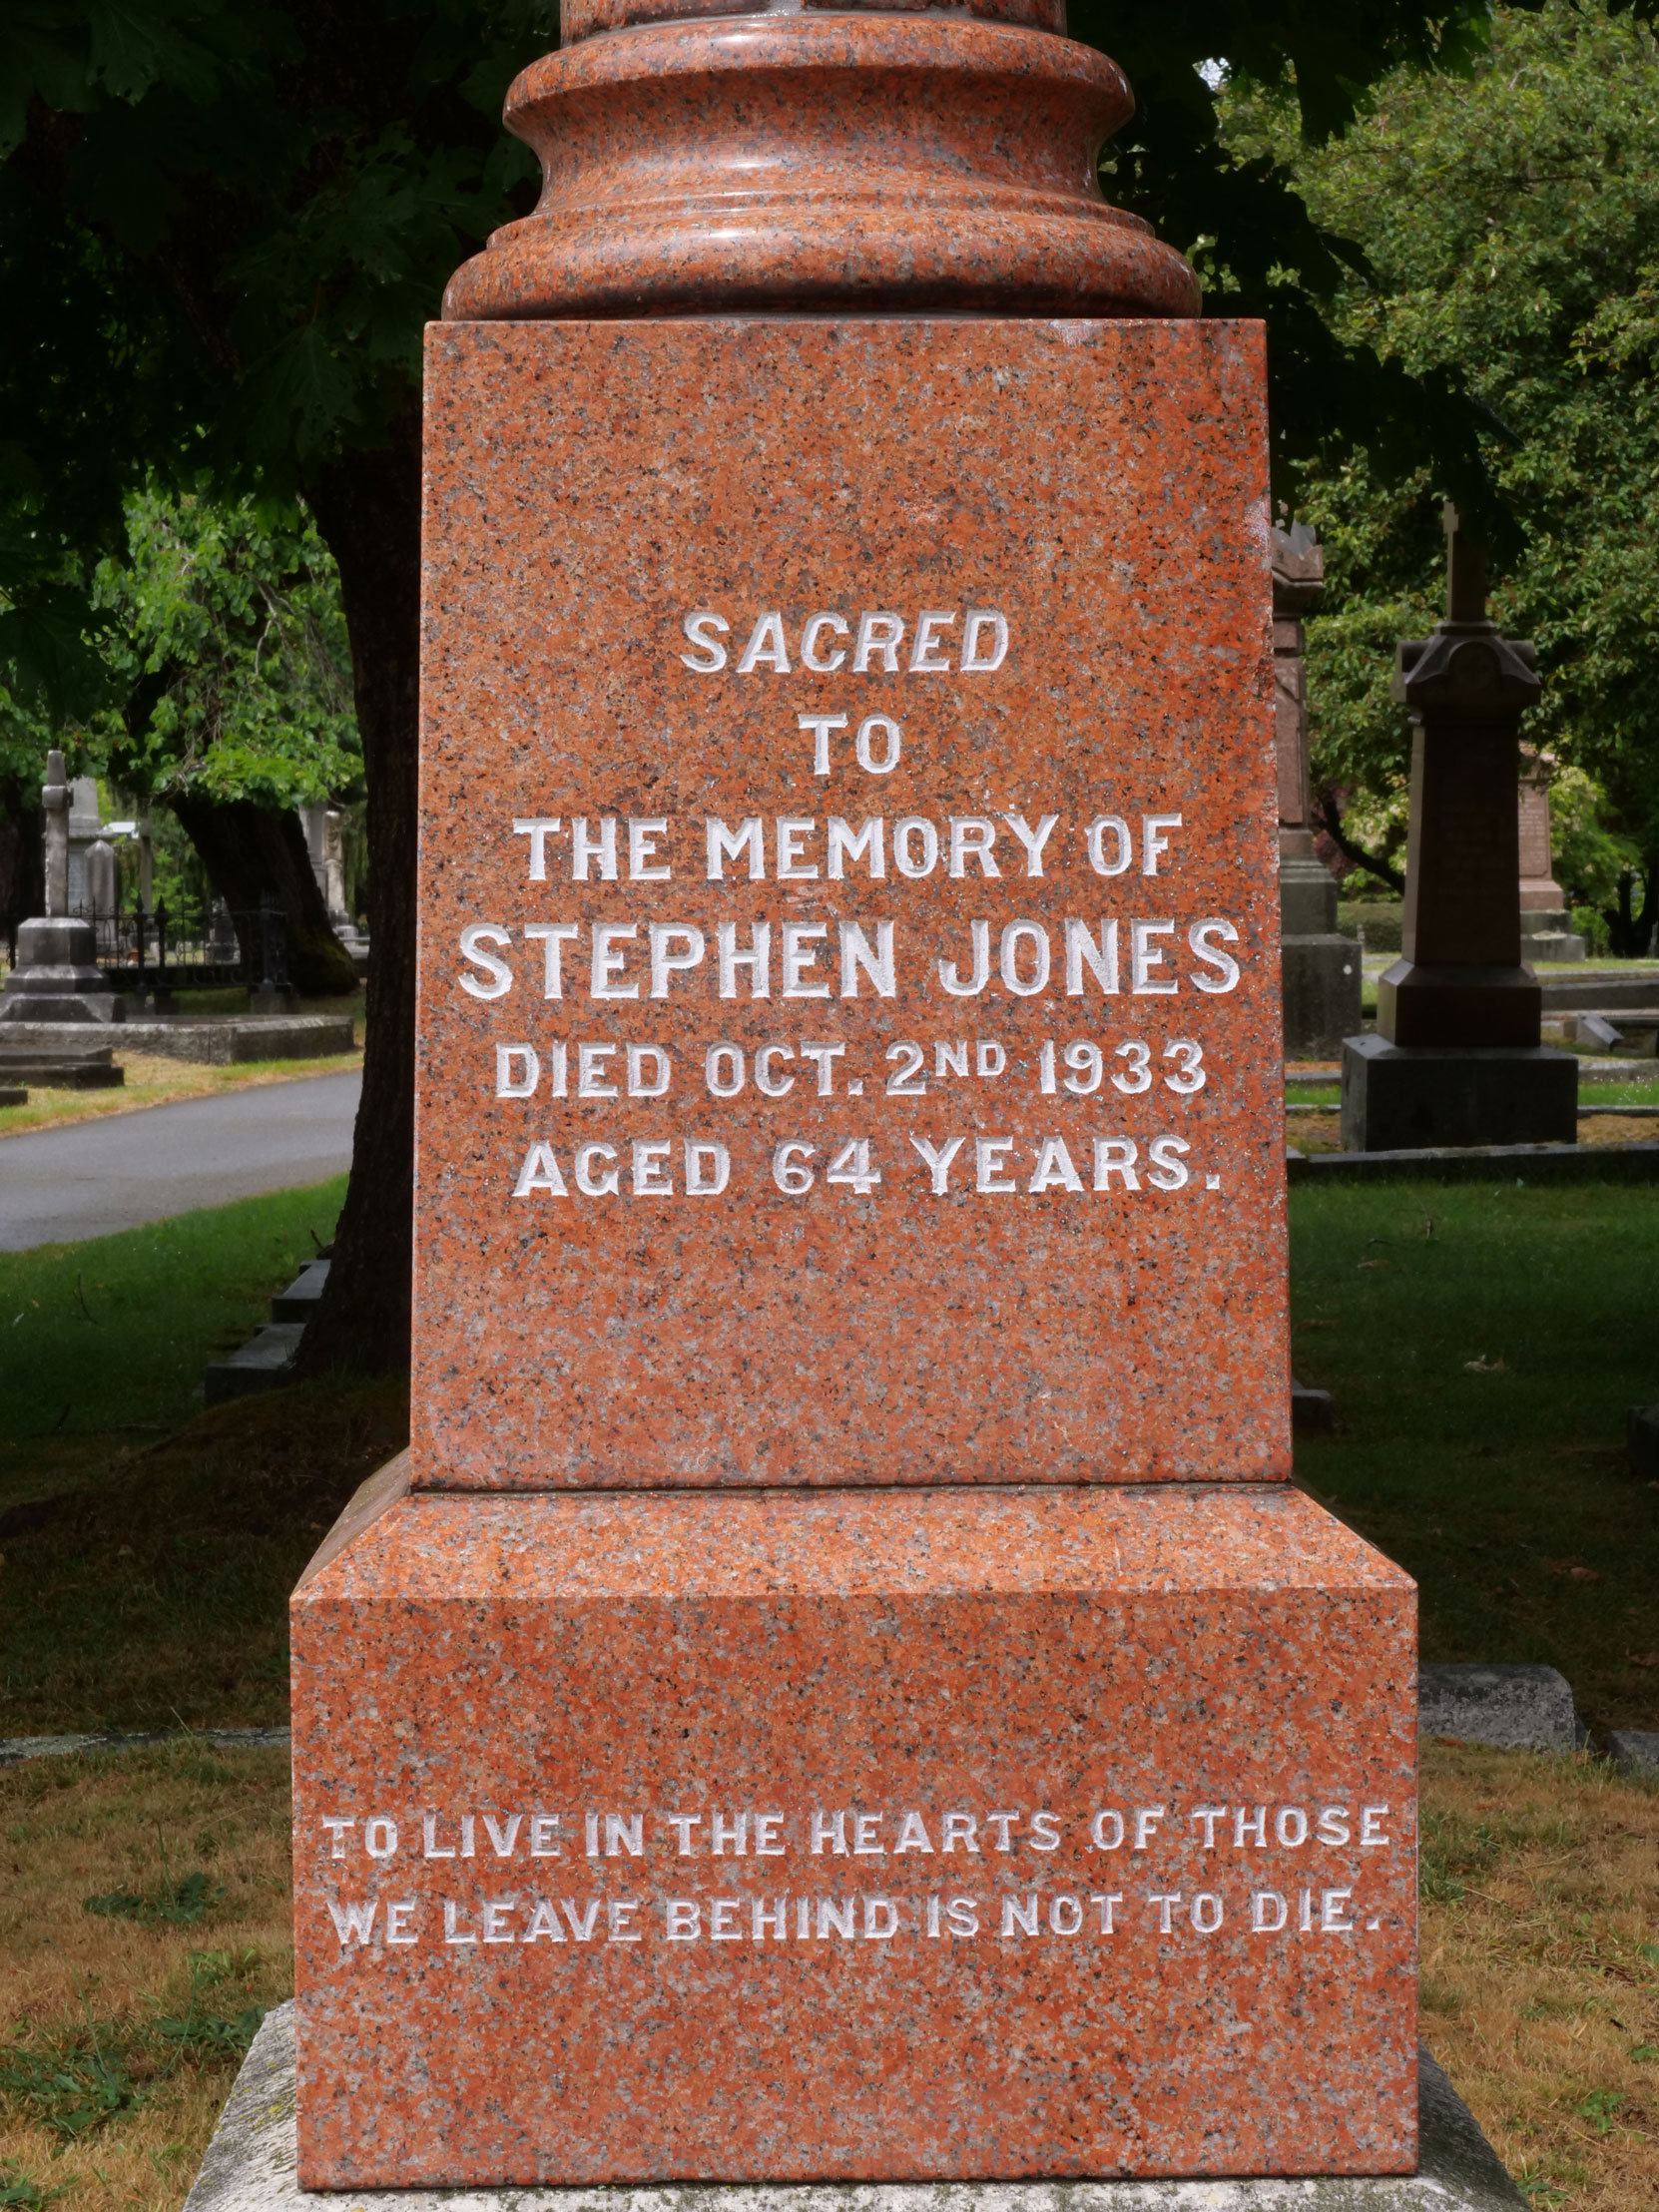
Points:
121	2026
152	1080
1541	1967
1312	1133
1616	1128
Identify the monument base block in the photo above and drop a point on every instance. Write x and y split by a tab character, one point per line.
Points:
1320	967
252	2166
862	1834
57	976
1322	985
1549	934
1407	1098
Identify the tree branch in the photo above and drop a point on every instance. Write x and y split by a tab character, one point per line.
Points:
1328	817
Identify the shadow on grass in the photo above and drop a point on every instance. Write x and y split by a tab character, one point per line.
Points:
158	1594
147	1548
1482	1342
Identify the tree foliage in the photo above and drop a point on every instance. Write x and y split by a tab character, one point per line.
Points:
226	649
223	224
1510	222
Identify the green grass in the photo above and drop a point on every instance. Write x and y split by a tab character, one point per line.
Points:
1482	1342
1620	1094
109	1338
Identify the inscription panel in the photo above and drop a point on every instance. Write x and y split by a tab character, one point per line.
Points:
873	1833
849	1041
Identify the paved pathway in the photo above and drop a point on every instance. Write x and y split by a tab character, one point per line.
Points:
59	1185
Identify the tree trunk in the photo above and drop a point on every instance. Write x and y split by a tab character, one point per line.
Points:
1629	927
368	506
249	850
22	851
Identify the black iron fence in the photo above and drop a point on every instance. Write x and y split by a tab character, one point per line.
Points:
188	948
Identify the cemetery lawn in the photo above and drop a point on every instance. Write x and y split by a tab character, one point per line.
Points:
152	1080
121	2027
146	1549
1540	1972
1482	1342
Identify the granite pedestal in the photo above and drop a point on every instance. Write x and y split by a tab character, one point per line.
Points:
846	1517
872	1834
1320	968
1457	1058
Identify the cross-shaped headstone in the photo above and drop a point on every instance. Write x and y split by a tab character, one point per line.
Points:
1465	571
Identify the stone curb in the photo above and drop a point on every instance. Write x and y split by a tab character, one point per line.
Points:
1522	1163
252	2166
227	1041
15	1749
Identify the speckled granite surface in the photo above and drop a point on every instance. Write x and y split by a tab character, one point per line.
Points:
252	2166
873	1834
821	160
1038	1003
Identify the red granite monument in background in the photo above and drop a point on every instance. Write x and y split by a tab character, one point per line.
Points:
842	1686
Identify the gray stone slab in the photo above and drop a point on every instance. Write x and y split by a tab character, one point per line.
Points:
304	1295
1506	1163
261	1363
1513	1708
88	1073
218	1041
252	2163
10	1095
15	1749
1635	1747
1607	990
95	1177
90	1041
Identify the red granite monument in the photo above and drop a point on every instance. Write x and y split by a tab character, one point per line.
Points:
841	1685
